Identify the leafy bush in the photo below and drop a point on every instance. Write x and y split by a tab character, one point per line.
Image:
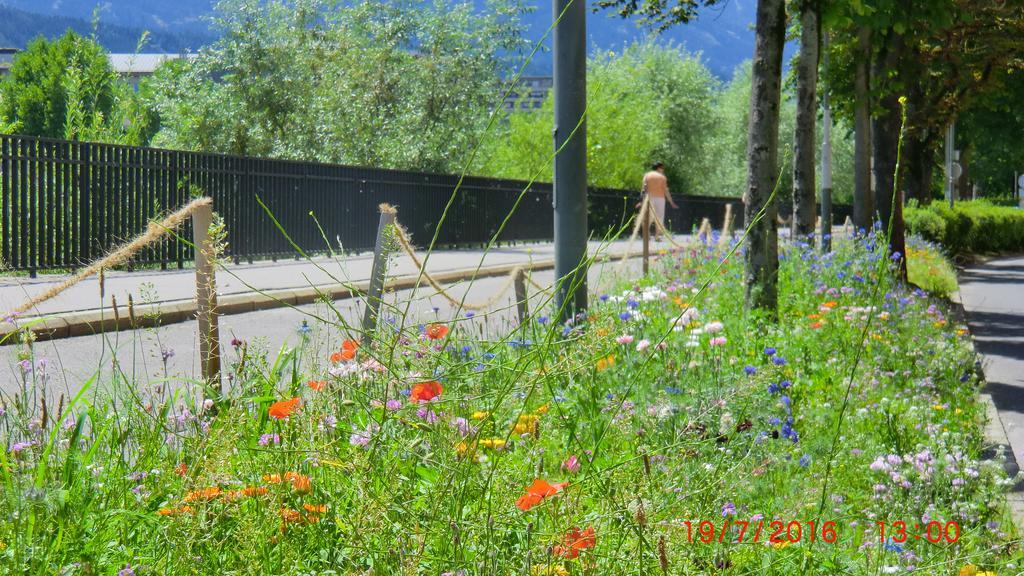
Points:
969	227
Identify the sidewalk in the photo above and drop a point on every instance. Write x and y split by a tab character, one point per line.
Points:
992	294
238	285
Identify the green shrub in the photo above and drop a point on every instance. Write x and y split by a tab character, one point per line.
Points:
969	227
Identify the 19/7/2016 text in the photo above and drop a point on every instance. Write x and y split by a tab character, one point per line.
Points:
781	532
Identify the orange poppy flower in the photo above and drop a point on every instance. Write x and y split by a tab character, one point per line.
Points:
181	469
816	325
206	494
284	408
315	508
436	331
830	304
317	385
174	511
538	491
574	541
425	391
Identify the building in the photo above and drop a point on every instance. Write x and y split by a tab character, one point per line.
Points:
132	67
530	93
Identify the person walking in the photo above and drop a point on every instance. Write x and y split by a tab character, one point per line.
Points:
656	189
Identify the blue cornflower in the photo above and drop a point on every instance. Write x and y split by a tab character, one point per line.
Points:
488	355
520	343
625	316
632	304
467	349
479	368
779	361
805	461
609	396
405	392
750	370
673	390
305	328
603	298
566	330
785	384
773	388
470	314
892	546
786	403
559	397
858	278
543	320
774	421
770	351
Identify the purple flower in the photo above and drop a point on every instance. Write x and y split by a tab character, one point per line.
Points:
769	351
728	509
18	447
359	438
393	404
779	361
750	370
126	571
268	439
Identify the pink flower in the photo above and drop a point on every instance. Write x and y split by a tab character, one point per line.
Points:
718	341
642	345
571	464
624	339
714	327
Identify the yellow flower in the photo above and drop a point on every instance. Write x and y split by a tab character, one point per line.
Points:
601	332
480	415
605	363
549	570
939	407
544	409
940	323
969	570
526	424
780	544
961	331
493	443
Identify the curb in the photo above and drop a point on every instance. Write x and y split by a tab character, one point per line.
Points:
96	321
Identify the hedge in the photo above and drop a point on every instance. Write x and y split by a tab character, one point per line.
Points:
969	227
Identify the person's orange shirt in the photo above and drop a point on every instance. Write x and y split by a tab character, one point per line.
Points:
655	184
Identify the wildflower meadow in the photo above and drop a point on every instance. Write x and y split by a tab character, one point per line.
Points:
668	431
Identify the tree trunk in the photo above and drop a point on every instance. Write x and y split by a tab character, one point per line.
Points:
919	153
863	207
804	142
885	132
762	256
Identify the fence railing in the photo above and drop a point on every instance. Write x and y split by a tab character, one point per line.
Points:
64	204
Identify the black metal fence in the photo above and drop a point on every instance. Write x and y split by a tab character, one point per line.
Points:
63	204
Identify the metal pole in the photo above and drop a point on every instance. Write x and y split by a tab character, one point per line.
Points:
949	164
826	154
646	217
570	170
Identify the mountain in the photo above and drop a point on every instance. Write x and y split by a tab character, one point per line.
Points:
18	27
724	35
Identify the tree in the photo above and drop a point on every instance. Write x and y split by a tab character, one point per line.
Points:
401	85
762	255
804	142
34	96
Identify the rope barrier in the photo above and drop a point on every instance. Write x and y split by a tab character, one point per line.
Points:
121	254
403	241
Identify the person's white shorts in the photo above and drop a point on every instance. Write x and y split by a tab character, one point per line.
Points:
659	208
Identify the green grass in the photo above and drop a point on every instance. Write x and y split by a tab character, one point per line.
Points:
857	406
929	268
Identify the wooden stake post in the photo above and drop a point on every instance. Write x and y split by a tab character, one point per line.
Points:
378	272
520	287
206	297
645	212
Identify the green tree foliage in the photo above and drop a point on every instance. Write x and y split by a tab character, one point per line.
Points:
400	85
993	129
652	102
35	94
67	89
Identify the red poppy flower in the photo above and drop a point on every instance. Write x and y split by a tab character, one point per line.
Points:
538	491
317	385
574	541
425	391
284	408
436	331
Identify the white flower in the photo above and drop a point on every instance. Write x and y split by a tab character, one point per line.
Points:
714	327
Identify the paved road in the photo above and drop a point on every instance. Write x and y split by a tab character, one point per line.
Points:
140	354
993	296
